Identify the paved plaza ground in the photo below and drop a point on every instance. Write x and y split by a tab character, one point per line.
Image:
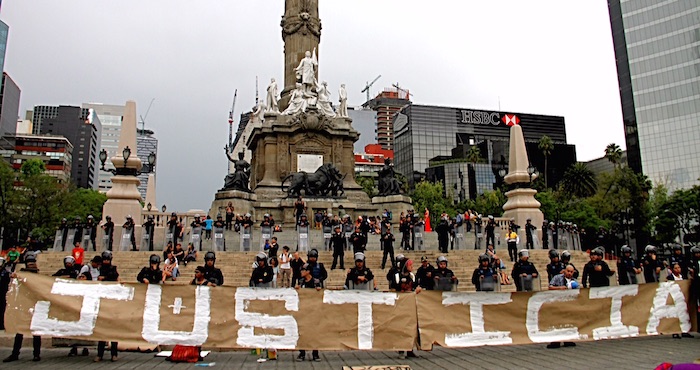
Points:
637	353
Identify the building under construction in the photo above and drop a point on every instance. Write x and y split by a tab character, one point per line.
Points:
386	104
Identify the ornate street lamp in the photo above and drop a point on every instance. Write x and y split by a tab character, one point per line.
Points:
164	208
149	206
531	170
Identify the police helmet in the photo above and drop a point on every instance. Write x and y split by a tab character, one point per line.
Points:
695	250
599	251
304	215
128	217
210	256
676	247
650	249
346	216
64	219
312	253
67	260
218	215
196	215
553	253
248	215
529	219
150	217
441	259
359	256
625	249
523	253
77	218
400	257
424	259
106	255
108	218
329	214
490	217
551	223
266	215
90	217
29	258
566	255
154	259
173	214
545	221
483	257
260	257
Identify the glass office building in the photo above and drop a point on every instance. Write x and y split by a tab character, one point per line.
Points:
657	50
425	134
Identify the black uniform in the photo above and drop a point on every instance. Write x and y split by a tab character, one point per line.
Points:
649	265
261	275
387	241
337	244
358	241
174	228
318	272
64	232
405	229
213	274
153	276
129	226
625	269
91	230
443	231
355	273
482	273
545	235
554	269
109	231
529	228
148	228
296	270
680	260
522	267
444	275
71	272
594	278
490	232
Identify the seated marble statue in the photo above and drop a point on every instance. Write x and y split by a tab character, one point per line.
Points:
388	184
297	102
239	179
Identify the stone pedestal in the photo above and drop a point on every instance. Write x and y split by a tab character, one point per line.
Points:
123	199
522	205
393	203
242	203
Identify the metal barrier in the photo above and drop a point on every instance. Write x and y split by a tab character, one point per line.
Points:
303	238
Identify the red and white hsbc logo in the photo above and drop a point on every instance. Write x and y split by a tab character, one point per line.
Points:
510	119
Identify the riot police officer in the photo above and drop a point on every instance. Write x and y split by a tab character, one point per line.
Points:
151	274
337	245
318	271
445	279
358	239
149	227
211	273
108	272
262	272
555	266
91	230
387	240
174	227
483	273
63	227
129	227
360	274
529	228
69	270
677	257
566	260
523	268
651	264
627	268
596	271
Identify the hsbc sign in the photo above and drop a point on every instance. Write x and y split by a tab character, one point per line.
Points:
489	118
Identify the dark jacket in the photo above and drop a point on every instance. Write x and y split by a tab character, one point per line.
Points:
153	276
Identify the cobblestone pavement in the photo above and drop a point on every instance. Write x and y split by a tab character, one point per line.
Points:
637	353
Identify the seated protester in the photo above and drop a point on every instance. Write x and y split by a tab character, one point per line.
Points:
359	274
500	267
78	254
91	271
199	278
677	257
443	275
564	280
179	253
307	281
108	272
13	257
151	274
651	264
484	272
596	272
523	268
676	273
211	273
555	266
69	270
566	260
627	268
168	249
262	272
30	266
424	275
190	254
170	269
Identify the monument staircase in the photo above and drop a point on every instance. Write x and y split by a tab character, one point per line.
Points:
236	265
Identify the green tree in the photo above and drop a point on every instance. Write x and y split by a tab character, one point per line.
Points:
7	192
678	215
33	167
546	145
474	155
368	185
490	203
579	181
614	154
432	196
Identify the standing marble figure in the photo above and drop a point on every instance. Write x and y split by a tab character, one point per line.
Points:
272	97
343	99
306	72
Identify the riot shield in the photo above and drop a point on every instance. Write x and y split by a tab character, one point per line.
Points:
219	242
263	285
265	234
58	241
530	284
303	238
490	283
369	285
632	277
327	230
459	237
418	237
145	239
245	239
86	242
445	284
169	235
347	232
125	241
70	239
479	240
107	241
196	237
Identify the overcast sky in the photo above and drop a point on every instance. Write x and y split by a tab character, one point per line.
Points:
546	57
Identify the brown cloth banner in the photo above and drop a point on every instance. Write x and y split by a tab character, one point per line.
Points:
338	320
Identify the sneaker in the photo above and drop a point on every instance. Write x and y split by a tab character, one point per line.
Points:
316	359
36	359
554	345
687	335
300	358
73	352
85	352
569	344
11	358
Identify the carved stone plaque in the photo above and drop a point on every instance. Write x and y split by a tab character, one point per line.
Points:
309	162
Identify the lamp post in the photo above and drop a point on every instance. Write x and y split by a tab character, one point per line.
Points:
149	206
124	170
163	208
461	185
531	170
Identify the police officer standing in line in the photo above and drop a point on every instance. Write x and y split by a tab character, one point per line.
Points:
262	272
318	271
337	245
219	223
545	235
69	270
358	240
443	231
108	272
484	272
149	227
405	230
596	272
555	266
651	264
151	274
211	273
30	266
627	267
175	228
78	226
360	274
308	281
523	268
91	229
129	227
529	228
491	231
387	240
63	227
424	275
555	235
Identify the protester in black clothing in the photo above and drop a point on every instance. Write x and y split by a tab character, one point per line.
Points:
151	274
262	273
308	281
69	270
424	275
296	263
337	245
30	266
211	273
596	272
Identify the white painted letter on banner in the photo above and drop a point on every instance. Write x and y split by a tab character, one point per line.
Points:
151	319
532	321
250	320
364	302
660	310
479	336
616	329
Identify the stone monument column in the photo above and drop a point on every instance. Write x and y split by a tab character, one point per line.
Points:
301	32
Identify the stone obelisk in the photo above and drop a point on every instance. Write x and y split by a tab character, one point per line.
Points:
301	32
521	203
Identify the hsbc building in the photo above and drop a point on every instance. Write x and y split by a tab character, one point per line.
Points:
432	141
